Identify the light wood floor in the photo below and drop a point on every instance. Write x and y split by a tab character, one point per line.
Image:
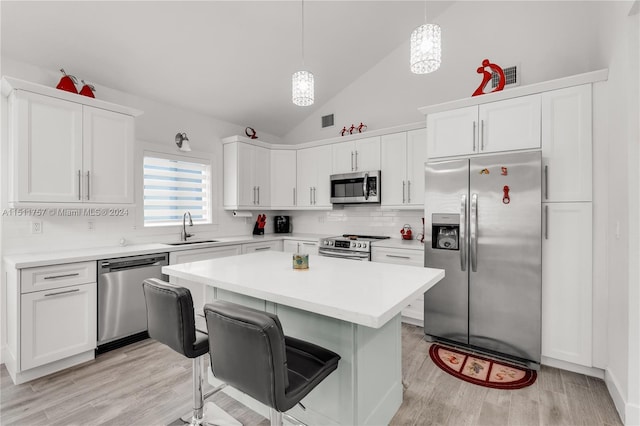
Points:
148	384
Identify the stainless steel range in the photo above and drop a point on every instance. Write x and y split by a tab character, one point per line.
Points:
348	246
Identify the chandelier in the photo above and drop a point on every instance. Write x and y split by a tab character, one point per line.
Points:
426	49
302	82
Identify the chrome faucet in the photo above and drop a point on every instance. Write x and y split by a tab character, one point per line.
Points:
184	235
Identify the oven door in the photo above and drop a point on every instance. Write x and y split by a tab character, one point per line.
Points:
344	254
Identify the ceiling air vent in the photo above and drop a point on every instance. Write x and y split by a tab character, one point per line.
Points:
511	74
327	121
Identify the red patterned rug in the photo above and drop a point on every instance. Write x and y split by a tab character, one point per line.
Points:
480	370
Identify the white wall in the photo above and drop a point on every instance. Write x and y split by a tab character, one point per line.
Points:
621	114
547	40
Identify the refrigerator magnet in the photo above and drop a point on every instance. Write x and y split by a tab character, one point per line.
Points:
505	197
504	172
484	171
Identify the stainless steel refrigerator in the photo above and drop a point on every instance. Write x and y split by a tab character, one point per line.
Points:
483	227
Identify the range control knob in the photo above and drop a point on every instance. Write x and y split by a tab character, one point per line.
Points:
364	245
326	243
353	245
358	245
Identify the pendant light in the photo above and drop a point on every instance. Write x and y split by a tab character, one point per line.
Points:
426	47
302	84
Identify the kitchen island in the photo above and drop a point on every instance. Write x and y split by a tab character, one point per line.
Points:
352	308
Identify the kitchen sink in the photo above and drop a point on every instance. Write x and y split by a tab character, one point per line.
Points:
182	243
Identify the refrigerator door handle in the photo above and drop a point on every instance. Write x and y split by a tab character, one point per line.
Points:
473	233
463	233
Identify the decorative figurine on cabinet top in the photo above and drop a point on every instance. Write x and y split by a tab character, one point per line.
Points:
487	75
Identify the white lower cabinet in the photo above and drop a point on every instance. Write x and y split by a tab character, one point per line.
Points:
51	318
414	313
567	282
198	291
300	246
262	246
57	323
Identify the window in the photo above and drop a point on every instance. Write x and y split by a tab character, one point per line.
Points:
174	185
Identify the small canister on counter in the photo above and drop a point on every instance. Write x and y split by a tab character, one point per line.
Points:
300	261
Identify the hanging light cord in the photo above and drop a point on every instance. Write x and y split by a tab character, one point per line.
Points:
302	30
425	11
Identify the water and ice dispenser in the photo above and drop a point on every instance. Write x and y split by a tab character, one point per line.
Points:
445	231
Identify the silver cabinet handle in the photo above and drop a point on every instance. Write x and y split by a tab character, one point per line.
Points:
463	233
262	248
258	195
403	192
79	185
62	292
546	222
88	186
546	182
398	257
308	244
356	160
254	195
409	191
314	195
474	233
481	135
474	136
364	185
352	167
53	277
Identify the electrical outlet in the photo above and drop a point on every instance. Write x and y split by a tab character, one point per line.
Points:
36	227
90	226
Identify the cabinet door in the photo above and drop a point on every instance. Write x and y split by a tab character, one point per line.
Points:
57	323
290	246
367	154
295	246
394	162
283	178
46	135
567	282
198	291
451	133
416	157
314	169
107	156
247	188
343	157
322	186
262	176
510	124
567	144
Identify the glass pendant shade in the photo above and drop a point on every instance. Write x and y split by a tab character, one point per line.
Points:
302	88
426	49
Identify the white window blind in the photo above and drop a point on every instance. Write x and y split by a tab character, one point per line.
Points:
173	186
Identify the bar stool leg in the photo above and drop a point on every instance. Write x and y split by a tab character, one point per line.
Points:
276	417
198	401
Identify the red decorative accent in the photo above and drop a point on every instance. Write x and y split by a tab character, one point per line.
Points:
486	77
87	90
343	131
67	82
505	197
362	127
351	129
499	375
505	172
406	232
250	133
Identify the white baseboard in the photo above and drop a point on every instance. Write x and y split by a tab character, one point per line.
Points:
628	412
576	368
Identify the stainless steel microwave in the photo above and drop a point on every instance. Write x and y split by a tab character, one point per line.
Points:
356	188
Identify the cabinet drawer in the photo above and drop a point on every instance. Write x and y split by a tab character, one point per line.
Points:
398	256
265	246
55	276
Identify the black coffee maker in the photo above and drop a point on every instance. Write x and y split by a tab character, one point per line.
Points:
282	224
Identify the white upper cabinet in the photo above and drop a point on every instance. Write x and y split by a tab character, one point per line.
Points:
246	176
567	144
107	156
64	151
508	125
314	169
403	156
360	155
283	178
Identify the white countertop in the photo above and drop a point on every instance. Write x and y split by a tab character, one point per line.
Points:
365	293
31	260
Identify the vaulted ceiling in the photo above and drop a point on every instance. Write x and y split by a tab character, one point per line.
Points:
232	60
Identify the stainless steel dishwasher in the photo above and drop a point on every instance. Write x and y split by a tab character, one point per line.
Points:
122	312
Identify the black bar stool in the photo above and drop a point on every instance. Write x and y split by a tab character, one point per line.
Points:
171	321
250	352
